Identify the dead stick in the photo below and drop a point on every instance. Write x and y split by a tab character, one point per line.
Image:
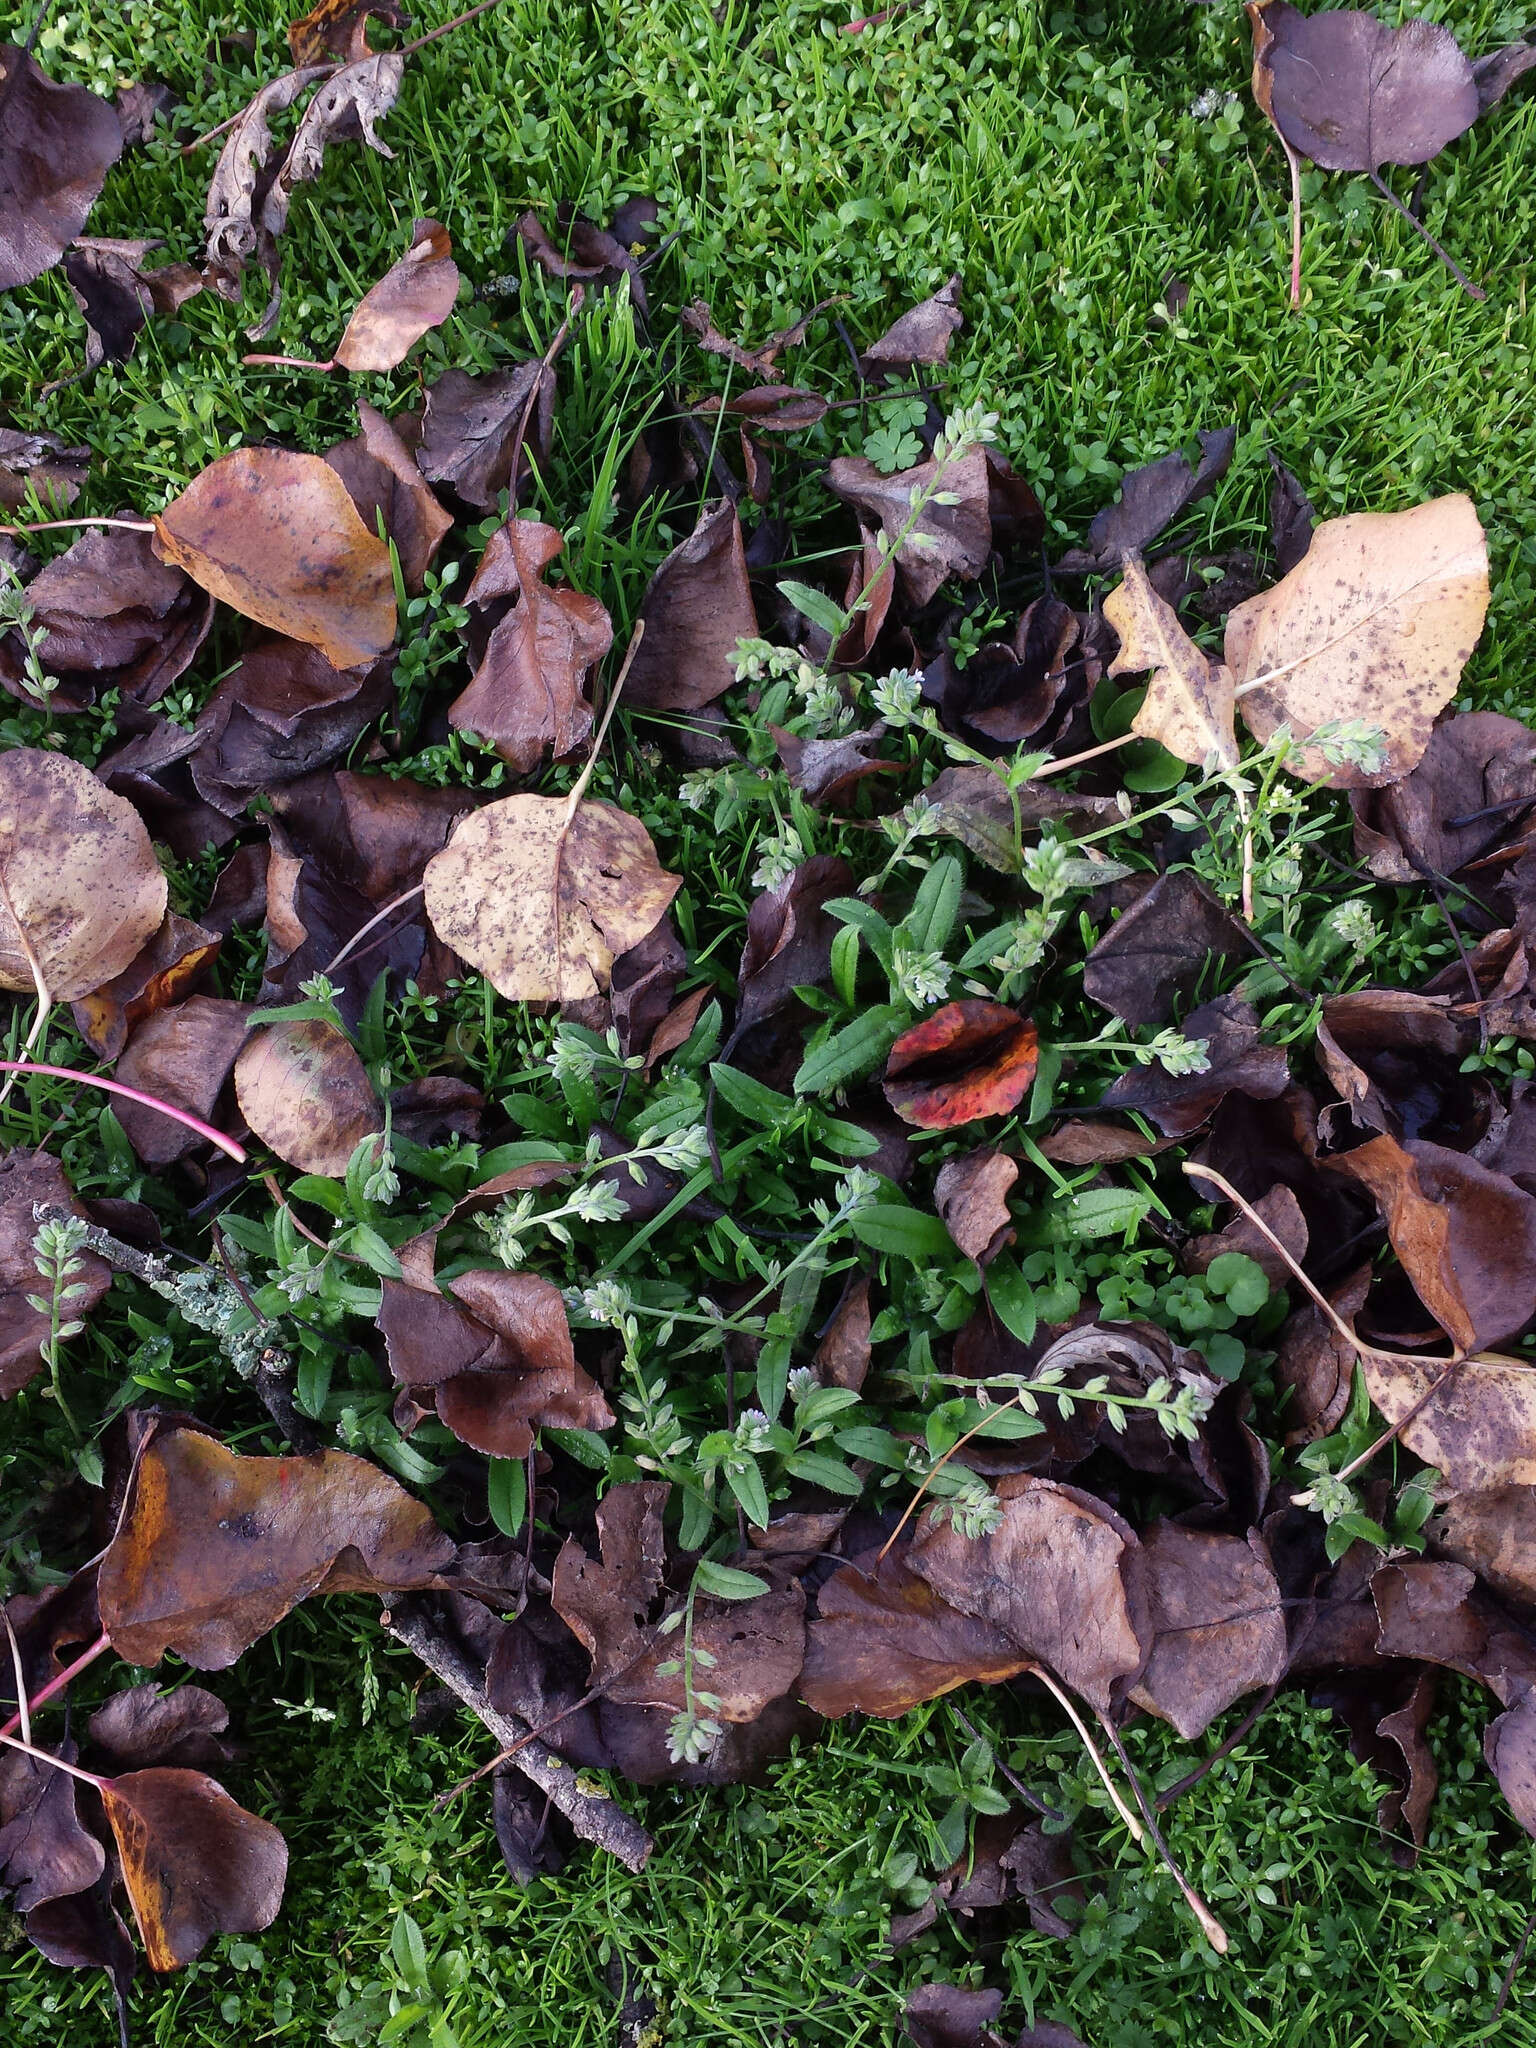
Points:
1210	1926
594	1816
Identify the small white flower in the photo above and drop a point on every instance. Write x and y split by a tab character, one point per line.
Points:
897	696
778	855
1176	1054
597	1202
922	978
856	1190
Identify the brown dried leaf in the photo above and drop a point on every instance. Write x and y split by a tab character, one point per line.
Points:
46	1851
541	900
948	540
1218	1626
1375	623
971	1196
339	28
922	335
382	476
165	972
81	891
306	1094
144	1725
43	463
184	1055
475	428
1150	499
696	607
413	296
883	1641
214	1548
57	143
1157	950
240	175
1188	707
1466	1238
276	536
194	1863
1059	1576
526	696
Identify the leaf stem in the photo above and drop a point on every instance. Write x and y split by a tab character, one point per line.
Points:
62	525
1472	290
180	1116
57	1683
45	1756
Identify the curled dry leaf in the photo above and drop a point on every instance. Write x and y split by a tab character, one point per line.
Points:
541	900
883	1641
213	1548
1059	1576
526	697
1466	1237
969	1059
306	1094
339	28
971	1196
1188	707
696	607
413	296
921	335
167	970
194	1863
951	539
1150	499
382	477
1218	1626
57	143
241	173
81	891
277	537
1374	624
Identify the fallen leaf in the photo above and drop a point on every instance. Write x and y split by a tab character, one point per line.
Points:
969	1059
1315	1365
194	1863
922	335
1499	70
527	694
1509	1744
144	1725
541	900
339	28
696	607
382	478
1151	498
1493	1532
842	1357
1466	1238
598	256
1059	1576
824	771
1282	1215
475	428
165	972
81	891
42	463
972	804
116	294
949	539
1395	1057
241	178
214	1548
412	297
1217	1624
493	1356
971	1196
58	143
1157	950
306	1094
1458	804
761	361
281	713
883	1641
46	1850
1375	624
1188	707
275	536
944	2016
1292	517
1440	1614
1238	1058
183	1055
788	943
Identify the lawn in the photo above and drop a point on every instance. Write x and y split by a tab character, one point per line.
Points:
1070	163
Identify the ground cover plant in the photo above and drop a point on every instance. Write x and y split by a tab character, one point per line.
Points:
766	1194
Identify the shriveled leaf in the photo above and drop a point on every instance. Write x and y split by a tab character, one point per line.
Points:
1157	950
1151	498
1188	706
306	1094
1509	1743
541	900
1059	1577
382	476
697	606
276	536
413	296
527	695
947	540
117	293
339	28
922	335
1374	624
969	1059
214	1548
144	1725
81	891
194	1863
971	1195
1466	1237
1218	1626
883	1641
57	143
184	1055
1439	1613
945	2016
242	175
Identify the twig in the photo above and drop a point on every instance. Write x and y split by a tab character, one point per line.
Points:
61	525
1191	1779
594	1816
892	13
1031	1799
1069	1708
1210	1926
1514	1964
1472	290
23	1704
362	931
125	1258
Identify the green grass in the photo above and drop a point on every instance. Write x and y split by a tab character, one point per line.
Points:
1051	157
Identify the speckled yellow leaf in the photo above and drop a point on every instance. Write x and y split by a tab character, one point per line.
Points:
1188	705
541	901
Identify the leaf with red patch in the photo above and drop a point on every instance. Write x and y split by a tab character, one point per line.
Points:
970	1059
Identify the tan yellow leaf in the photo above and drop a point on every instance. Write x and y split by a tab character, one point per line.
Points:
305	1093
1188	705
80	888
1375	623
542	901
276	536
